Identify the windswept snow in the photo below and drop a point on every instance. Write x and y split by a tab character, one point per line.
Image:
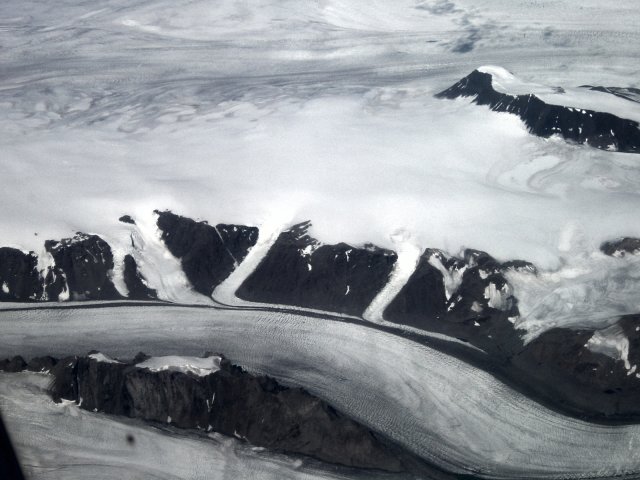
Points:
441	408
195	365
612	342
159	267
408	257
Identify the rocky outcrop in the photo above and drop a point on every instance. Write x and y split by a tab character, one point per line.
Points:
19	277
135	281
300	271
570	368
127	219
85	262
466	298
227	400
208	254
597	129
42	364
621	247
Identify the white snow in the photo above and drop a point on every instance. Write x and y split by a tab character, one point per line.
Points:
408	257
196	365
452	278
268	233
588	291
229	113
101	357
162	270
612	342
497	297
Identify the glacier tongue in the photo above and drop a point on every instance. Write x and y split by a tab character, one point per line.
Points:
437	406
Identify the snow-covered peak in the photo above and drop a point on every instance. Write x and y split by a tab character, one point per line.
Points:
195	365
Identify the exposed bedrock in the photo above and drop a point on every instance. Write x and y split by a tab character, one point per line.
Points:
621	247
597	129
85	263
592	373
467	298
222	398
300	271
19	277
208	254
36	364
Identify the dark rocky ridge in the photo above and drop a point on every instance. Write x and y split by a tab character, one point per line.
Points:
208	254
299	271
229	401
621	247
469	313
127	219
85	261
597	129
559	367
135	281
19	277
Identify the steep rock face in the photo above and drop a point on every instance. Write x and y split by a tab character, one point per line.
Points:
42	364
127	219
298	422
621	247
561	365
467	298
208	254
299	271
19	277
15	364
64	384
86	262
135	281
597	129
423	298
229	401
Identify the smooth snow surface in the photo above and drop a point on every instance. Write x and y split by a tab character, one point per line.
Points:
61	441
439	407
198	366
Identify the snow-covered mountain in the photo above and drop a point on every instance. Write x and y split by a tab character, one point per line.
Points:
424	212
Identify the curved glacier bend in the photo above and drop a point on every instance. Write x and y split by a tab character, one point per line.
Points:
448	412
